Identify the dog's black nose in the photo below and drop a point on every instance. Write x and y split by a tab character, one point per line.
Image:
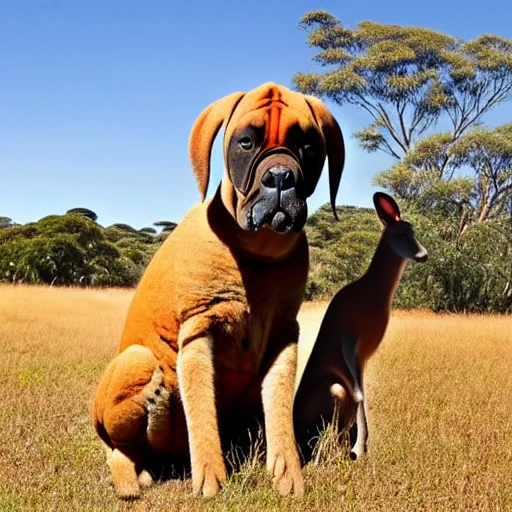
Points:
280	178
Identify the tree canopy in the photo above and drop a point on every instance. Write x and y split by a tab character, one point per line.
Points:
5	222
72	249
85	212
410	80
484	193
426	95
166	225
405	78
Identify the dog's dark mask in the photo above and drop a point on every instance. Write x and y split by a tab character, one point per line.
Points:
275	145
271	181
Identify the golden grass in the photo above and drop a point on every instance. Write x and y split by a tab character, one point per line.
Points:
440	413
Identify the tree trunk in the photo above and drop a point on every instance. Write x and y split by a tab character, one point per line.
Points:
484	212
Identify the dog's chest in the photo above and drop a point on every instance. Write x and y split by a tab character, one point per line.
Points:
242	303
243	325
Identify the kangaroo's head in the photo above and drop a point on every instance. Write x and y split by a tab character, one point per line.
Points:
397	233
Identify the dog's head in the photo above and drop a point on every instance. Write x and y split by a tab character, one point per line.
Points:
275	145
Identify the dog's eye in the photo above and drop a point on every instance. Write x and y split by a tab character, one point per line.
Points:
308	149
245	143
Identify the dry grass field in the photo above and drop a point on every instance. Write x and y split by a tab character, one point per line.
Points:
440	414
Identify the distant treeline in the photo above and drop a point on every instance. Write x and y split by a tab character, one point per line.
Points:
465	272
73	249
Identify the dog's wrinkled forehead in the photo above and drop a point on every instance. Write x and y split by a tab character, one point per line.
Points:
267	119
272	108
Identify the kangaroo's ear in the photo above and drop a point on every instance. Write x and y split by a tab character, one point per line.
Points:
335	146
386	208
203	134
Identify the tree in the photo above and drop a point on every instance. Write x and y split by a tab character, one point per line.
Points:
481	196
489	154
408	80
124	227
405	78
166	225
42	260
85	232
84	212
58	249
71	250
149	231
6	222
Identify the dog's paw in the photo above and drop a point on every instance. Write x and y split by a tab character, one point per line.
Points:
209	479
284	467
124	477
127	489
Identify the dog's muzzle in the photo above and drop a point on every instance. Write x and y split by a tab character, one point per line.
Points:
278	205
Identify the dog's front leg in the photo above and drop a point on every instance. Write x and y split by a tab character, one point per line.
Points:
196	382
277	395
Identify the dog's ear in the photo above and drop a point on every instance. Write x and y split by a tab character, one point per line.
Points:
203	134
386	208
335	145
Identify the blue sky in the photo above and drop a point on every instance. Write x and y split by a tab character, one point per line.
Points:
97	98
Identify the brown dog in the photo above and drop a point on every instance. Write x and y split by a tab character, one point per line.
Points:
211	335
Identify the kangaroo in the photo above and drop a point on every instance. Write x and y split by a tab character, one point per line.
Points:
351	331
